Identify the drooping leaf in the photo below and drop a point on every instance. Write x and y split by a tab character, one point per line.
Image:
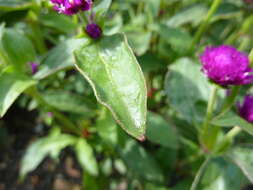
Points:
85	157
140	162
230	119
68	102
38	150
12	85
60	57
161	132
116	78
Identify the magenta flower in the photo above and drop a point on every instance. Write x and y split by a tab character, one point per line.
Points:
93	30
70	7
34	67
246	109
225	65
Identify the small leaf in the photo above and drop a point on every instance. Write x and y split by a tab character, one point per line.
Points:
117	80
12	85
38	150
61	57
243	158
230	119
85	157
161	132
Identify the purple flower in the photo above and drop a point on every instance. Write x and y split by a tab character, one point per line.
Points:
70	7
225	65
246	109
34	67
93	30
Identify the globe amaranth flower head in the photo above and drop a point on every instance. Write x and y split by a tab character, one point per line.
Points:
93	30
225	66
70	7
246	109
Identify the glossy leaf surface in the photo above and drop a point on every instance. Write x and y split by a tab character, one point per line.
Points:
117	80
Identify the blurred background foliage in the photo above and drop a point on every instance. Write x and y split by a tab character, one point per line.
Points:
39	152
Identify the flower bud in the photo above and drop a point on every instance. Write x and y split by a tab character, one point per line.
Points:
93	30
246	109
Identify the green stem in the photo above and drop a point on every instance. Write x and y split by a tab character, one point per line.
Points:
229	101
65	122
209	111
200	173
205	23
233	132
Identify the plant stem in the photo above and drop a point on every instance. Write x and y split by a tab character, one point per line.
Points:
229	101
200	173
205	23
209	111
233	132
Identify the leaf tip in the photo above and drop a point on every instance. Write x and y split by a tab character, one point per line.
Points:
142	138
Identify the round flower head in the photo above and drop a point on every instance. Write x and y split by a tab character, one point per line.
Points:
93	30
70	7
225	65
246	109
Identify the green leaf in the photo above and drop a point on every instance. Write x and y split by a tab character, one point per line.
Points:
179	39
140	162
18	48
243	158
230	119
222	175
68	102
160	131
12	85
38	150
117	80
185	85
85	157
193	14
61	57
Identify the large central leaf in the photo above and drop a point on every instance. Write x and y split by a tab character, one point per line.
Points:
117	80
